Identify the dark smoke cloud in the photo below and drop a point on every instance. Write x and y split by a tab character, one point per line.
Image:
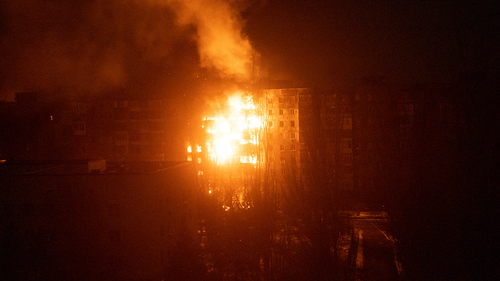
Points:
92	46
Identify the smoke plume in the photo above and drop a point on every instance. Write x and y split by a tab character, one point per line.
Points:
221	43
145	46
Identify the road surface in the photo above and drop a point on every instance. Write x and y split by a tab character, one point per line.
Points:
376	250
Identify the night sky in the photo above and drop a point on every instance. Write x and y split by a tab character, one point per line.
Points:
153	46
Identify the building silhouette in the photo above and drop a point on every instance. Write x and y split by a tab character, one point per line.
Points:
94	221
113	126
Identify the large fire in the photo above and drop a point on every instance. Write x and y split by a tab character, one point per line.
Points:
232	134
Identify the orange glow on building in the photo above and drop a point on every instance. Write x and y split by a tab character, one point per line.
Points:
232	133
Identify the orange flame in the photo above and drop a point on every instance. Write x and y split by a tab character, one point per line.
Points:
234	133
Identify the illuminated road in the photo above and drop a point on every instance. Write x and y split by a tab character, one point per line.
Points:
375	259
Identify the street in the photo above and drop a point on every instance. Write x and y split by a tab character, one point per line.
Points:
376	255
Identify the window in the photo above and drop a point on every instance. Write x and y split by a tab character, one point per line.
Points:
292	136
347	170
155	126
294	159
347	158
271	124
119	104
347	144
292	123
154	138
133	103
281	111
292	147
82	105
155	115
79	129
135	137
282	123
282	147
155	103
293	111
135	115
121	137
121	126
347	122
270	112
135	149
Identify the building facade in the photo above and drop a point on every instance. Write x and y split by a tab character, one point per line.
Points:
115	127
304	128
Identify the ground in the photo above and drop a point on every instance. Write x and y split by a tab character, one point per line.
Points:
376	257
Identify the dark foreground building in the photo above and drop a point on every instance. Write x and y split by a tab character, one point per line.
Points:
87	220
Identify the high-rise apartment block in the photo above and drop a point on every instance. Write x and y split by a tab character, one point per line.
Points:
302	123
114	127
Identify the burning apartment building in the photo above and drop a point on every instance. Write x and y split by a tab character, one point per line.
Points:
245	145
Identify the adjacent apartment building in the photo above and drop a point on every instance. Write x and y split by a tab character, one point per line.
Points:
115	127
306	127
